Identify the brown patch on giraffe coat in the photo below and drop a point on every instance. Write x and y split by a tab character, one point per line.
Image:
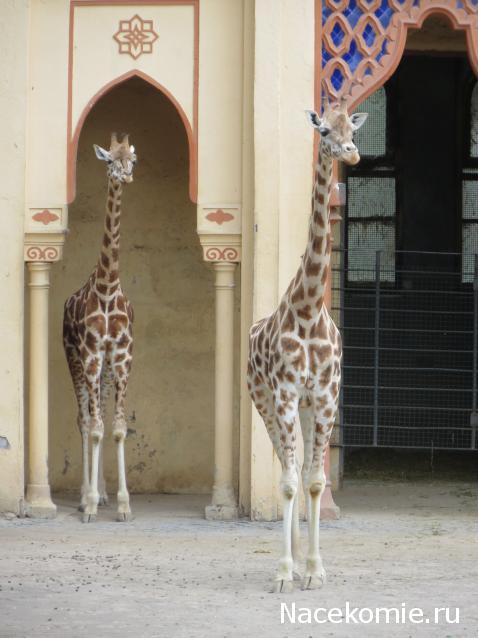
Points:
90	341
305	313
317	244
97	322
289	345
298	294
102	288
319	329
91	304
299	361
321	180
288	323
318	219
312	268
312	291
325	376
318	354
323	279
320	199
92	368
117	324
301	332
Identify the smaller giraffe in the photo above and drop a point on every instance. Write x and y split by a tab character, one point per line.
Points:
98	342
294	367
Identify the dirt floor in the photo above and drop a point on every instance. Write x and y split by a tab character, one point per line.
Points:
171	574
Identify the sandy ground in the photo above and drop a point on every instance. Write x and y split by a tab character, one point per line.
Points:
169	573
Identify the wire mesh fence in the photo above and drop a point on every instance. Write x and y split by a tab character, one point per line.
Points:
409	323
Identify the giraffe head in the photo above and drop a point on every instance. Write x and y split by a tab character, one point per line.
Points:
336	128
120	159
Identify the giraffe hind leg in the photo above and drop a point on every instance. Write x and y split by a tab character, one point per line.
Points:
83	419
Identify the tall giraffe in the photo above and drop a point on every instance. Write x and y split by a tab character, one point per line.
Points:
295	356
98	341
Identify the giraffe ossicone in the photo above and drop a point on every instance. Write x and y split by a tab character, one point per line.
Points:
294	367
98	342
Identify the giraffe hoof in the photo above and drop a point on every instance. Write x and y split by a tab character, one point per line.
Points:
103	500
88	518
124	517
314	581
282	587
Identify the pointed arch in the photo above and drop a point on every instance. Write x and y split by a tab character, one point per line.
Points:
73	140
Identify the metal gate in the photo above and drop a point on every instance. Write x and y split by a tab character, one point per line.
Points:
409	327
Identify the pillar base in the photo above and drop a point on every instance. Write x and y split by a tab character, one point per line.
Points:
221	513
38	502
329	511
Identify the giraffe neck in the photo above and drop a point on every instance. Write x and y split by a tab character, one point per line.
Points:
107	269
308	288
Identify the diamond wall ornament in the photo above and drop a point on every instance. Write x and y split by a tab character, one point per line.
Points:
135	36
337	36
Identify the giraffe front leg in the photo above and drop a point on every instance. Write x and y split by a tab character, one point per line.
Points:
296	544
103	500
119	435
93	496
96	433
286	404
85	485
285	573
315	481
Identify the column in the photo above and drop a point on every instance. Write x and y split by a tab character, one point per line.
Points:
224	503
39	503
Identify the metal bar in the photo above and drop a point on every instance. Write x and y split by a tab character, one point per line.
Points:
409	447
406	368
474	415
408	272
377	346
404	291
410	310
407	407
451	332
409	350
415	428
410	389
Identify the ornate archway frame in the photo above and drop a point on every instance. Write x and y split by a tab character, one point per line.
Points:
73	139
382	57
388	45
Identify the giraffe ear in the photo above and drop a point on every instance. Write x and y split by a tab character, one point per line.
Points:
314	119
101	154
358	119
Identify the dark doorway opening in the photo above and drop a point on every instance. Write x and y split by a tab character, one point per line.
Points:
403	278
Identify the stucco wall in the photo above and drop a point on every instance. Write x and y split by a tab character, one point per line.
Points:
171	389
13	82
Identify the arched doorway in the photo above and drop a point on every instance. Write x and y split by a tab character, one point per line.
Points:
408	239
170	447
